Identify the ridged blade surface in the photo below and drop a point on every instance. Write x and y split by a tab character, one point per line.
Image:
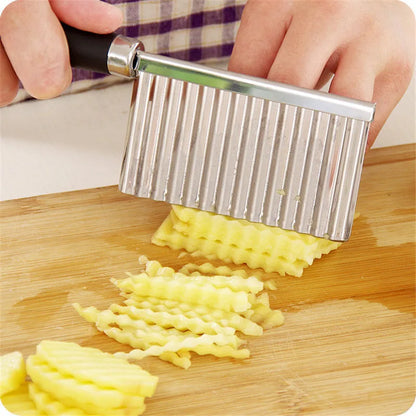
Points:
245	157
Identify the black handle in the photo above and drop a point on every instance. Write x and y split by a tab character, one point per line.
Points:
88	50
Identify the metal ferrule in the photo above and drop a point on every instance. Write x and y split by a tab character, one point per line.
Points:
122	56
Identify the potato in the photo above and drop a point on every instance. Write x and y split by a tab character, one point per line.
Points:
12	372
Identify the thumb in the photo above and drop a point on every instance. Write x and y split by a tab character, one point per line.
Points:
90	15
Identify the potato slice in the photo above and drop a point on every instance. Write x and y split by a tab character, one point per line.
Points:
186	289
18	402
73	393
205	313
12	372
97	367
47	404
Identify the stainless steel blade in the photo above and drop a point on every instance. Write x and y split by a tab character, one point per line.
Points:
242	156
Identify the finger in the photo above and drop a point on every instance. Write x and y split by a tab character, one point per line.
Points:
354	76
261	32
304	53
36	46
90	15
389	87
9	83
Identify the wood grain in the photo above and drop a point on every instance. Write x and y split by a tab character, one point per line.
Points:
347	346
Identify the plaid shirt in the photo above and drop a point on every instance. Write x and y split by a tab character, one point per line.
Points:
192	30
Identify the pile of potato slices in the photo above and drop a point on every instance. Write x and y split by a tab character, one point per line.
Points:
68	379
171	314
231	240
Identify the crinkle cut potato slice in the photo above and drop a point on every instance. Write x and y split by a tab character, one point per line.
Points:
12	372
18	402
95	366
74	393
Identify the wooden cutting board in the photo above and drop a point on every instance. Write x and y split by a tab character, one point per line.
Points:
346	348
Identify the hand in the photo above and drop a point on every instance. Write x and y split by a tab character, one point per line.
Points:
368	45
33	46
